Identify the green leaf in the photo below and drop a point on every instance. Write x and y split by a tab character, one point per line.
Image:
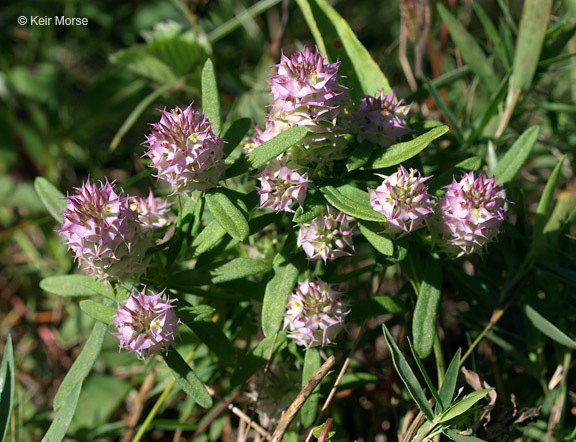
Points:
359	156
472	163
361	72
236	133
463	405
228	215
471	52
358	207
511	163
424	319
208	238
140	61
256	358
187	379
398	153
218	273
445	109
379	241
448	386
492	34
270	150
312	363
375	306
311	22
549	329
456	436
276	296
424	373
6	387
544	208
61	422
353	381
407	376
215	340
81	367
210	97
52	198
98	311
314	204
75	286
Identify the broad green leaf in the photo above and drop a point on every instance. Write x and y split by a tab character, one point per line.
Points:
549	329
359	156
407	376
81	367
61	422
359	209
256	358
314	204
228	215
463	405
218	272
424	319
544	208
511	163
75	286
208	238
184	56
360	71
398	153
52	198
98	311
187	379
448	386
210	97
276	296
375	306
270	150
6	387
381	242
471	52
312	363
236	133
457	436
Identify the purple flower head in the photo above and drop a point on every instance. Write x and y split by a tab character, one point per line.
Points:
281	187
403	198
185	151
381	119
315	314
307	93
104	233
327	235
151	211
146	323
469	214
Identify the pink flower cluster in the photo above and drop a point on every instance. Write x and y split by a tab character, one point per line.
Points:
281	187
462	222
108	231
315	314
146	323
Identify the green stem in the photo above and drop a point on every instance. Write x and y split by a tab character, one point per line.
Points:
440	363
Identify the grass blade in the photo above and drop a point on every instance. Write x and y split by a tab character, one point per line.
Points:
6	387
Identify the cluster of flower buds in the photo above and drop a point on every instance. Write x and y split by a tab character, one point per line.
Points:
462	222
381	119
185	151
281	187
315	314
327	236
146	323
306	92
104	231
403	198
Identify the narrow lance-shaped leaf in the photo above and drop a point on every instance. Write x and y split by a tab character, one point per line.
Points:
457	436
449	384
353	207
549	329
82	365
187	379
75	286
228	215
425	375
276	146
408	376
312	363
7	386
511	163
382	243
52	198
424	319
544	208
463	405
276	296
62	420
98	311
311	22
210	98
